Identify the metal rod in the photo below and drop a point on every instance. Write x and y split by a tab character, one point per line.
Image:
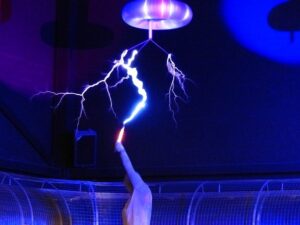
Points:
150	31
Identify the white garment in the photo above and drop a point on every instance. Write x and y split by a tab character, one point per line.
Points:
137	210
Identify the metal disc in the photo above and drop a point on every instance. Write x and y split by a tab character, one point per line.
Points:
157	14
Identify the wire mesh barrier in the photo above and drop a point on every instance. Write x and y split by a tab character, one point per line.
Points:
37	201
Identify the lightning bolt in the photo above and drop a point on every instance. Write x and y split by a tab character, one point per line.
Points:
176	89
177	82
177	85
131	73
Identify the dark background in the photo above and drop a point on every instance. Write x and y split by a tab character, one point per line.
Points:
242	118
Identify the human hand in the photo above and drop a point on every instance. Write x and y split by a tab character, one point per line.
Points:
119	147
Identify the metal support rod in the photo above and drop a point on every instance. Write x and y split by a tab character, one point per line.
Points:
150	31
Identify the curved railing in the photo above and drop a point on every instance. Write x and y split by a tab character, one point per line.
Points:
41	201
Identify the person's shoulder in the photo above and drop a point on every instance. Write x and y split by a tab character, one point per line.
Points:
142	186
144	191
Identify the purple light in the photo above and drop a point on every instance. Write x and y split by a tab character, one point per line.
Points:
157	14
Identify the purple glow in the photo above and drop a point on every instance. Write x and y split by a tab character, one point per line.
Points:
158	10
161	14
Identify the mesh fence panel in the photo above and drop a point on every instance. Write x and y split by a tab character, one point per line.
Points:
36	201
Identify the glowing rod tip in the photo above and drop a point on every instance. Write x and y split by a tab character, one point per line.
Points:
120	136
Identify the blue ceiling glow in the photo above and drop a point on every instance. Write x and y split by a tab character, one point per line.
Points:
249	23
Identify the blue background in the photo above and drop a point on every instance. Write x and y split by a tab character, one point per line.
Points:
242	118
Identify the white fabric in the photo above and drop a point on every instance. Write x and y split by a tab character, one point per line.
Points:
137	210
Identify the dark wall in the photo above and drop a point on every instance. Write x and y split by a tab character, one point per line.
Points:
26	67
241	117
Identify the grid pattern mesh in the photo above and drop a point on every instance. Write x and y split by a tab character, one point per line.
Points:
170	209
110	208
10	210
280	208
224	208
33	201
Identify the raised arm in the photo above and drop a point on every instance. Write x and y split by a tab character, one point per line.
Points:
133	176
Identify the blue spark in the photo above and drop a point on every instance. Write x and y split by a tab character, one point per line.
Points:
131	72
173	96
176	89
